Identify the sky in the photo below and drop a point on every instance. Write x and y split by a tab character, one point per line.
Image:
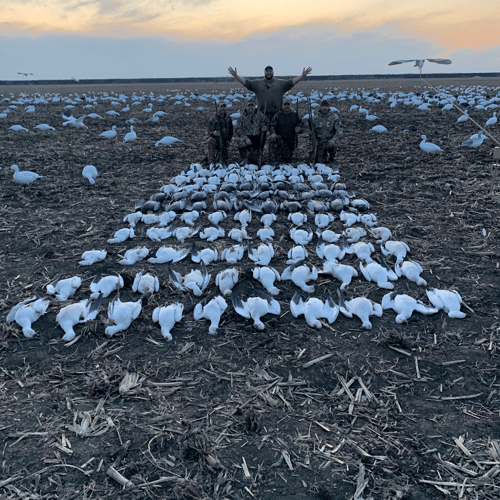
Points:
58	39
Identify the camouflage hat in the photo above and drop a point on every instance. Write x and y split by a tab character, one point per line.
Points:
287	99
251	101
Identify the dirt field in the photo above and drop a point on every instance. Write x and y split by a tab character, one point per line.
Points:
407	411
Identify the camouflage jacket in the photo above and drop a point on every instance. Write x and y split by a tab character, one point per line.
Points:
223	125
327	127
246	126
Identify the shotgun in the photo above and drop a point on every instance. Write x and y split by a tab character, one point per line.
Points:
296	133
262	139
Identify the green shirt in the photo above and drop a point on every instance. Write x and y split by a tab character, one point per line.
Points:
327	127
269	92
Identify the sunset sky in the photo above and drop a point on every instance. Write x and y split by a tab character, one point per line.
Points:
57	39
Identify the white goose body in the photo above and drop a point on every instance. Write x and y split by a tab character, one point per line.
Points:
396	248
183	233
297	218
122	235
448	301
363	251
268	219
314	309
404	305
24	177
267	276
301	236
168	254
349	219
211	233
158	233
256	307
90	173
105	285
109	134
412	272
190	217
28	313
226	280
429	147
122	314
354	234
265	234
133	219
341	272
297	254
381	234
134	255
262	255
92	256
211	308
378	274
322	220
168	316
363	308
369	220
206	255
63	289
145	283
300	276
71	315
166	218
233	254
238	234
329	236
130	136
195	280
243	217
217	217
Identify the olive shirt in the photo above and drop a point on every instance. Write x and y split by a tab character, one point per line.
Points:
269	92
327	127
247	127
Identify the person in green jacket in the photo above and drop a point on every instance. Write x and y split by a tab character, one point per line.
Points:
325	128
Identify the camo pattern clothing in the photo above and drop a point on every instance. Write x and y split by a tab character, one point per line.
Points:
269	93
251	128
282	149
324	128
218	146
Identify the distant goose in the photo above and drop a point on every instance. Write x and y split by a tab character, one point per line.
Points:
90	173
44	126
167	141
463	118
131	136
429	147
109	134
18	128
379	128
25	177
492	120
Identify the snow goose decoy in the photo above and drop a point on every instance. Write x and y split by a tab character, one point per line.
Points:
492	120
210	308
121	314
404	305
464	117
226	280
130	136
92	256
24	177
448	301
475	141
44	126
27	313
109	134
81	312
256	307
90	173
18	128
314	309
429	147
63	289
168	316
419	63
167	141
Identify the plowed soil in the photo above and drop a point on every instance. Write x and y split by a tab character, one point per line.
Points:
400	411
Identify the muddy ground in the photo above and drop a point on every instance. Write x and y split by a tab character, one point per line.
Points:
401	411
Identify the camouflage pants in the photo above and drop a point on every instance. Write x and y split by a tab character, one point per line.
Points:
249	154
281	151
322	153
215	154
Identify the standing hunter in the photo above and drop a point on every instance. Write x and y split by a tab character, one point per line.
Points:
220	133
269	90
250	127
324	129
